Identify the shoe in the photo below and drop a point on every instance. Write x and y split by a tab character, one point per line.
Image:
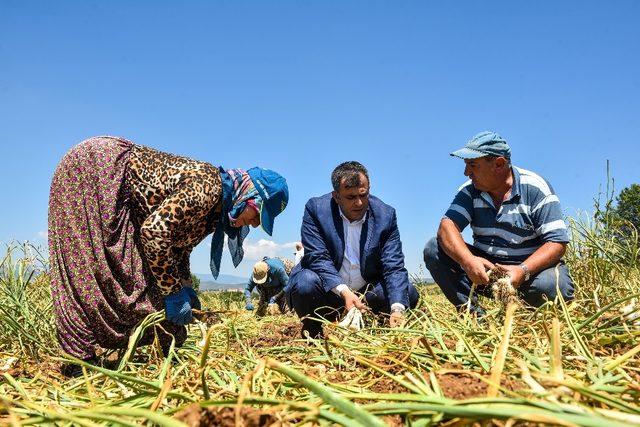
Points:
73	370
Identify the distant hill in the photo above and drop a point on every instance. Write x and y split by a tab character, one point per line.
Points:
422	280
228	281
224	281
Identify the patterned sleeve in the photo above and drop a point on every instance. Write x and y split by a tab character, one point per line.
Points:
183	257
158	234
461	209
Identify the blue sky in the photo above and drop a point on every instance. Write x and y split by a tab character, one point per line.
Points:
300	86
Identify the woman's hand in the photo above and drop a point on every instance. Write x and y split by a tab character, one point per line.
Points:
178	306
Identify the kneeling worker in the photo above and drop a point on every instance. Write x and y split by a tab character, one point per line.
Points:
270	276
516	221
351	243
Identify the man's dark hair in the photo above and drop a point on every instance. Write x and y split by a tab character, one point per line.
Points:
350	172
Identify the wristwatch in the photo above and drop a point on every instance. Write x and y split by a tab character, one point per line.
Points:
527	273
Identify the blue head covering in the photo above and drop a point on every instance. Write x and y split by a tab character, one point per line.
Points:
233	203
264	189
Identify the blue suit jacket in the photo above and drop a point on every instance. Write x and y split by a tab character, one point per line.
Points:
381	257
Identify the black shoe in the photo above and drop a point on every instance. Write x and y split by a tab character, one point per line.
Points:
73	370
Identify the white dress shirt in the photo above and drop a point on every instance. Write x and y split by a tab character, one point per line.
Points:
350	269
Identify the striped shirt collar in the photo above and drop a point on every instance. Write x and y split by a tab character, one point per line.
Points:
515	187
530	217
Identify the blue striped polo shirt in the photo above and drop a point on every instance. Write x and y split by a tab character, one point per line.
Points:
531	217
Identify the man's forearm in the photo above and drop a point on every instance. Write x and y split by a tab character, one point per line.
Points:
545	256
452	242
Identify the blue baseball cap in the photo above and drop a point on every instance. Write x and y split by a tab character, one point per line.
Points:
274	192
484	144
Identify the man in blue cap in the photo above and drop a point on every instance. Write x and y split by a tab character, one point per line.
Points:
517	224
351	245
270	276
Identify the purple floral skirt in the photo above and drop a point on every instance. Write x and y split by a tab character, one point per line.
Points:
99	283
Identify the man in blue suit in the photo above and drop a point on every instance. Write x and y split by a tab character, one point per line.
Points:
351	243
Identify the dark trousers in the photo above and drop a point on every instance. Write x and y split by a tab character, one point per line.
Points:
265	295
306	295
456	286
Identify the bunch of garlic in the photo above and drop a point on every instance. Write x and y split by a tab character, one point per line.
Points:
353	320
501	286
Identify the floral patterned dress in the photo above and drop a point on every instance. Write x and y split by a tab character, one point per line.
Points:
123	220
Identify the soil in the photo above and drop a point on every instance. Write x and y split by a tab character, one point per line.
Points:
463	422
393	420
338	377
272	335
391	366
387	385
195	416
449	343
461	385
206	316
30	370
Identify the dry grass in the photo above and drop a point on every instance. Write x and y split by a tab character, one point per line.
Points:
563	364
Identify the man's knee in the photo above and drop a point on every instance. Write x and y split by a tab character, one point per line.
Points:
566	286
547	284
306	287
430	252
306	282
